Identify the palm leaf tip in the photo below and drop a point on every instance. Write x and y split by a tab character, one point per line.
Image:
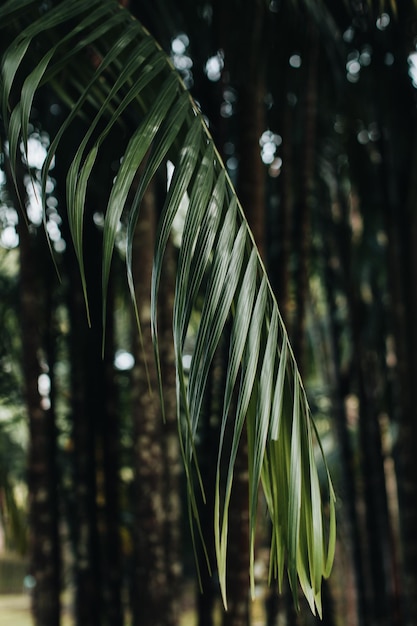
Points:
218	264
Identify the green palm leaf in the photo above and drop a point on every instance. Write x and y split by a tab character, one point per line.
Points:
218	262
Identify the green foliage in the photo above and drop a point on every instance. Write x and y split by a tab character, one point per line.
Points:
109	70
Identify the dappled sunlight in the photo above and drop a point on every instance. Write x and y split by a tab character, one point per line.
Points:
44	388
181	59
412	68
36	152
33	158
269	142
123	360
383	21
227	107
214	67
353	66
295	61
9	238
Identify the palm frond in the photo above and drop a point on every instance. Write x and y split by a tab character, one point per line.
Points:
218	262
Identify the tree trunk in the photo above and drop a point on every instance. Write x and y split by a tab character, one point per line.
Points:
110	441
153	601
281	271
251	192
303	239
44	554
339	384
169	438
397	119
55	477
87	392
208	447
402	242
42	473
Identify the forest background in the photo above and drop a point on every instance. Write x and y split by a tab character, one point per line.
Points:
312	106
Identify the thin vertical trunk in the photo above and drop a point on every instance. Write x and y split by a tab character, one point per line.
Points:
42	462
87	389
366	495
251	192
409	431
208	443
276	604
54	477
281	273
401	250
407	440
86	404
397	120
110	438
42	471
351	547
371	485
356	484
153	601
305	210
376	512
170	440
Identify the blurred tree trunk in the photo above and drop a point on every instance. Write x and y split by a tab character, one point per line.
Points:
407	442
339	381
251	192
281	271
251	121
209	438
51	333
401	229
398	121
44	552
87	392
93	506
110	443
155	592
363	479
96	450
280	275
42	473
303	220
296	212
170	440
368	484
